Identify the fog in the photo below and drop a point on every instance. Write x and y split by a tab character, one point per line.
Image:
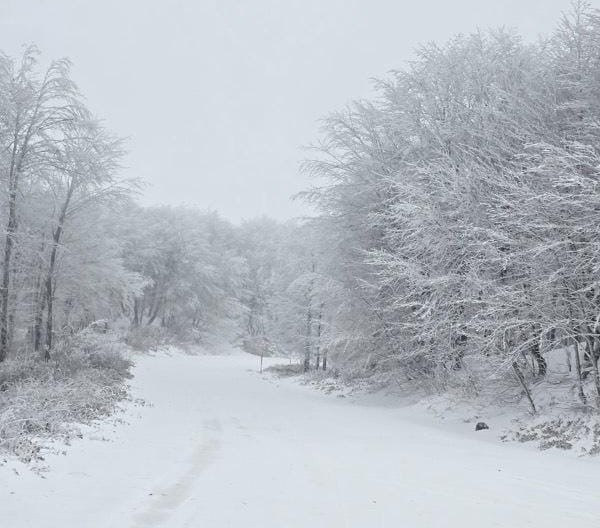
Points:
217	98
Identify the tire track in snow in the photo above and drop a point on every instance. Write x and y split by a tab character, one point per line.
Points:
165	502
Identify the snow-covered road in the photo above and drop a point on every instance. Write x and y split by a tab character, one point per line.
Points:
223	446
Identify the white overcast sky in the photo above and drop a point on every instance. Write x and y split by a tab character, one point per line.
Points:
218	96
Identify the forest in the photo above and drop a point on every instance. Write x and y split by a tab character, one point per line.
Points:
454	245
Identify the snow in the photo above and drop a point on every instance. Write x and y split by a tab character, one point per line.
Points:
224	446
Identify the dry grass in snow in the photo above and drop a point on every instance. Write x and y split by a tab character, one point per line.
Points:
84	380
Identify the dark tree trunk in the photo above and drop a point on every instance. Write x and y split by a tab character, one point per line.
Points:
40	303
11	229
307	344
154	314
523	383
580	391
49	316
309	317
39	320
593	359
136	308
50	281
318	345
539	359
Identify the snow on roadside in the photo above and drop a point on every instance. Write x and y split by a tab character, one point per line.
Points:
223	445
557	425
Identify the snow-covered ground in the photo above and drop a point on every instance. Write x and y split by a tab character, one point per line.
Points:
223	446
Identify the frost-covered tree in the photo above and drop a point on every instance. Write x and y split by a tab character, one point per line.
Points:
192	271
60	171
460	209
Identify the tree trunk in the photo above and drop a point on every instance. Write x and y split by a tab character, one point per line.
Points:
319	327
593	358
39	319
11	229
12	321
142	309
580	390
152	316
136	307
50	282
537	355
49	316
307	344
521	379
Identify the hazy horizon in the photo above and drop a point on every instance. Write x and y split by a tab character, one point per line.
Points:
218	98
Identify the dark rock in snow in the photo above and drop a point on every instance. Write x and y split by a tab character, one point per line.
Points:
481	426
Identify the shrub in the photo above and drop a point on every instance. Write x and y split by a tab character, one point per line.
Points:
83	381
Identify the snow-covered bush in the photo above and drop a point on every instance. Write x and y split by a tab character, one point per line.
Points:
149	337
84	380
581	434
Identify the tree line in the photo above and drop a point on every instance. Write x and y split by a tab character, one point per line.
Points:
455	239
76	248
459	211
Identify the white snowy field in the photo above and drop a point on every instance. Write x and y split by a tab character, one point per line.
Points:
223	446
